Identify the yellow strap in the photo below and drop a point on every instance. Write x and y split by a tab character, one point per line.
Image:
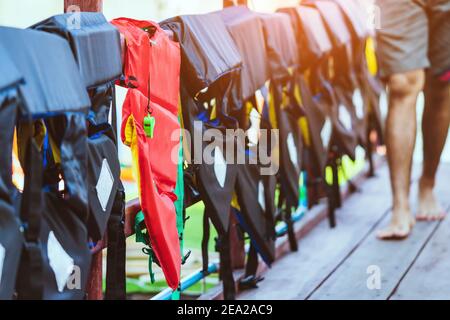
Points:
303	123
285	100
371	57
213	110
38	133
234	202
40	130
272	111
180	113
129	131
56	152
131	141
248	108
298	95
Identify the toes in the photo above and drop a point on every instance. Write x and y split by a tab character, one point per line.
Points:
437	216
430	216
382	235
401	234
393	233
422	217
385	234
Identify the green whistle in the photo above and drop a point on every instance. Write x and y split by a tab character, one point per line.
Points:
149	125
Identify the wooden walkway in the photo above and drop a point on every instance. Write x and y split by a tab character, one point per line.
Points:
347	262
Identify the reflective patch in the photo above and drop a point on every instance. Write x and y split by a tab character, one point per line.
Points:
253	131
60	261
292	149
104	185
261	197
325	133
358	102
259	100
2	260
220	166
345	118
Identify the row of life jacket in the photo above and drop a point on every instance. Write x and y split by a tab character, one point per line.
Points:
302	71
223	90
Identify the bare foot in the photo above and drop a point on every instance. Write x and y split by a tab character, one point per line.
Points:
429	207
400	227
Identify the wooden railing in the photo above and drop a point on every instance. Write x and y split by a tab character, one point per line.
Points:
304	221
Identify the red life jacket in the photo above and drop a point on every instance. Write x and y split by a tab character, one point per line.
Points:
151	57
152	69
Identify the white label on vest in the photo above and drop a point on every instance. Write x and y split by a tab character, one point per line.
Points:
2	260
261	197
325	133
292	149
104	185
345	118
253	131
60	261
358	102
220	166
259	100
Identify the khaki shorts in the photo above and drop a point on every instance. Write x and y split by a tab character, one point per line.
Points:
414	34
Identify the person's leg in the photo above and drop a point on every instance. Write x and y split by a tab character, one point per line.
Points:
435	124
402	49
400	139
436	116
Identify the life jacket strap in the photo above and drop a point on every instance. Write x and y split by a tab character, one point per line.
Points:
286	216
115	267
252	262
205	241
143	237
250	280
226	270
30	276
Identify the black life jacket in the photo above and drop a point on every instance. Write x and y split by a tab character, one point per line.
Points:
11	238
281	46
51	135
247	32
371	87
210	60
319	127
96	47
95	44
341	113
283	53
345	79
255	195
255	190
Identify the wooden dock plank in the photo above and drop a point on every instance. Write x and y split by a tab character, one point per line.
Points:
393	258
429	276
322	250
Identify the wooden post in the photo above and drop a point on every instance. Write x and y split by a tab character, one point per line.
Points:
84	5
94	289
237	245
